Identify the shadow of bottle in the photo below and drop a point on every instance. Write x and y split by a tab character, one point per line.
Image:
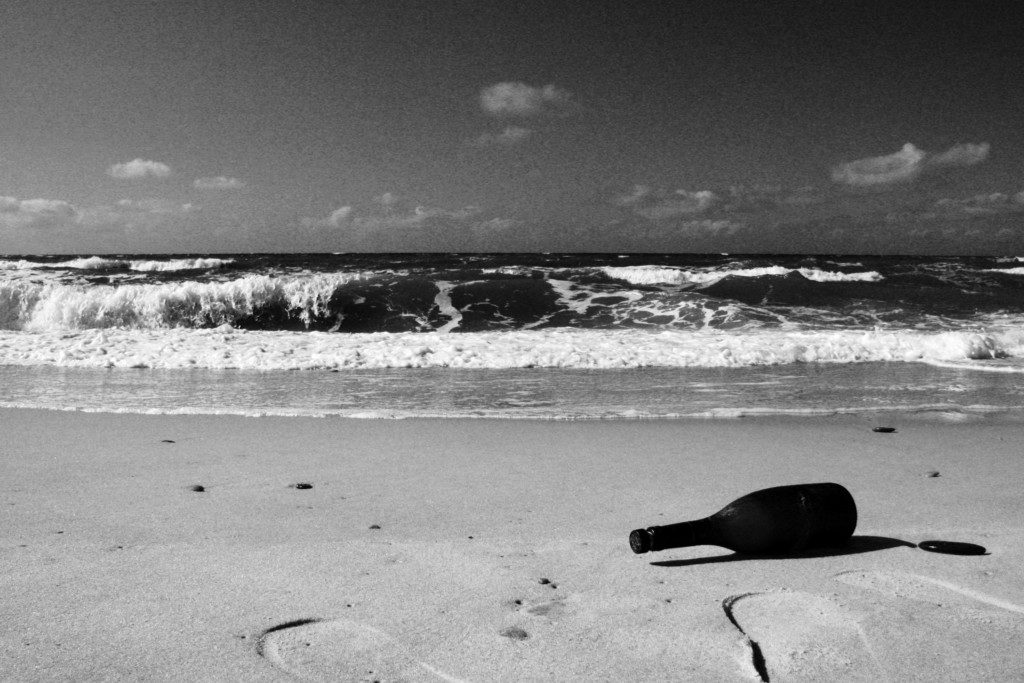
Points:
856	545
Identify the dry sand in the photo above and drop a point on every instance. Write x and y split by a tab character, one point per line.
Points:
501	552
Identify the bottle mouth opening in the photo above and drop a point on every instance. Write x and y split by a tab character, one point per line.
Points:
640	541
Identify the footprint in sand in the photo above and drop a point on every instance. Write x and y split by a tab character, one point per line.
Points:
341	650
797	636
939	630
923	588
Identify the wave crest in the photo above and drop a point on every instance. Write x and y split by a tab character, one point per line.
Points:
654	275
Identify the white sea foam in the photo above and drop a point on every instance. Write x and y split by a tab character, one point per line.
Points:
38	307
226	348
1006	271
942	412
100	263
445	307
651	275
180	264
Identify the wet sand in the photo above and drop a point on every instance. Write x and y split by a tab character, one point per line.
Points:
496	550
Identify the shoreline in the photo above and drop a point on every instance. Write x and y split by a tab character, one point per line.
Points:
892	390
112	567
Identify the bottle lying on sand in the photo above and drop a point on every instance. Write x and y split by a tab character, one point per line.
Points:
778	520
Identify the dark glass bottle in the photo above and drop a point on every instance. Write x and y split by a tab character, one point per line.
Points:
782	519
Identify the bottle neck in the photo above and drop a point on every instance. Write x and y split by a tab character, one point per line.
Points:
681	535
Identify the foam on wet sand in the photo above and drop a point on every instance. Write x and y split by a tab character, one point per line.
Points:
495	550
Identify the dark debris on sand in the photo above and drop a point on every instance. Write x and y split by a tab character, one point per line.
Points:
515	633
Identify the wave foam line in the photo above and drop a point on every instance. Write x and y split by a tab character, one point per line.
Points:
955	413
653	275
227	348
100	263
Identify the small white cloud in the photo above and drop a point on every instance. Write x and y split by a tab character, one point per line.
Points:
339	216
979	204
966	154
388	216
16	212
634	197
906	165
901	166
218	183
139	168
712	225
387	199
659	205
519	99
512	135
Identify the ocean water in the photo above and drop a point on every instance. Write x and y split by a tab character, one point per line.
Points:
550	336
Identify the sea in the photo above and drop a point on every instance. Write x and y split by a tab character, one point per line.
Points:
539	336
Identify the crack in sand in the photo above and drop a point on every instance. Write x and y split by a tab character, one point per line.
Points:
756	656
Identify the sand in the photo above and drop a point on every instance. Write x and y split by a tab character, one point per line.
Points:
484	550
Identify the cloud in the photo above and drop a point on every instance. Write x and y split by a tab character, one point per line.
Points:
18	213
339	216
519	99
635	196
659	205
906	165
139	168
712	225
512	135
387	199
36	212
389	213
982	204
961	155
901	166
218	183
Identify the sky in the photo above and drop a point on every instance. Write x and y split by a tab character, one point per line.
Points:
200	126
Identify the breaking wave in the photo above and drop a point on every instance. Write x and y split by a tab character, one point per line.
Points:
102	263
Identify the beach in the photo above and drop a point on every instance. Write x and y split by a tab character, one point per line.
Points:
479	549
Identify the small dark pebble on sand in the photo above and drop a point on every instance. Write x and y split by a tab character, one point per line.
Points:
198	488
302	486
933	474
544	582
884	430
166	441
515	633
375	526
